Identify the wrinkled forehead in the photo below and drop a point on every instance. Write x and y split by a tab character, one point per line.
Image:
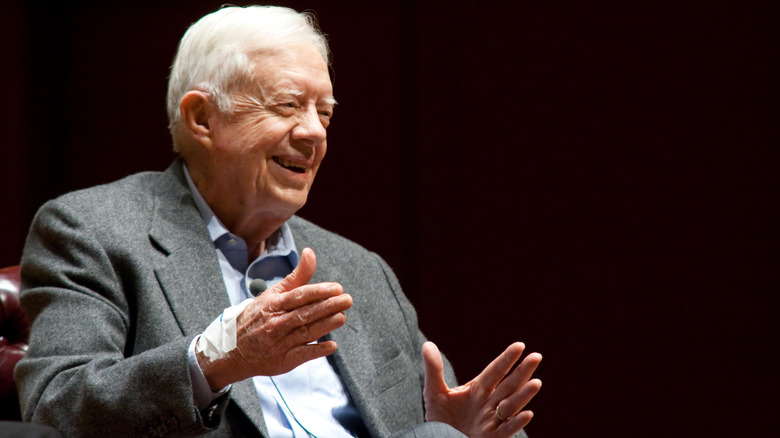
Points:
294	69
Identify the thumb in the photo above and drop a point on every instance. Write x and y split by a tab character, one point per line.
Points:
434	371
301	275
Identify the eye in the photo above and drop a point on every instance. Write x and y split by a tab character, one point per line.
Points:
325	111
286	108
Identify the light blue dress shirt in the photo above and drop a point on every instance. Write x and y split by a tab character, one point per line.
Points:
309	400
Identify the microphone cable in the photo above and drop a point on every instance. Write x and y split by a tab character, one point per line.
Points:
311	435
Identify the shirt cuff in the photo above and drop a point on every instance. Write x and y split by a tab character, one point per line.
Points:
201	391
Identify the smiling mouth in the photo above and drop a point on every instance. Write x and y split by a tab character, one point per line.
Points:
289	165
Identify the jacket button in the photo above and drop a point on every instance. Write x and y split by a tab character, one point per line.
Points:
173	424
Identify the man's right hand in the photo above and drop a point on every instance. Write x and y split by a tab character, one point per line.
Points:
276	330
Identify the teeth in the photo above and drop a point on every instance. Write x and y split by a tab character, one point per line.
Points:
290	165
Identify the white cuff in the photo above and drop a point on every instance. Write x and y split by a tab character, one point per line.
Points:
201	391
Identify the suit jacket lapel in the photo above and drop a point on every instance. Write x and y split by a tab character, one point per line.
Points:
190	276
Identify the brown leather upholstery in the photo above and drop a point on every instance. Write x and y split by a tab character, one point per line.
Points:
14	330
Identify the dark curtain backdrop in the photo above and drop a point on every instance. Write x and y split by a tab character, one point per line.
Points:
597	179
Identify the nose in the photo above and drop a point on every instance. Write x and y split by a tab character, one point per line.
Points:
309	128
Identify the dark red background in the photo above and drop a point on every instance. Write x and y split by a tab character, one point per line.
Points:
597	179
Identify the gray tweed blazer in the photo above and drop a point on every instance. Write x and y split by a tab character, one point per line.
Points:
119	278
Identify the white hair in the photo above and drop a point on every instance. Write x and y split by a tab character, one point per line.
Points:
214	53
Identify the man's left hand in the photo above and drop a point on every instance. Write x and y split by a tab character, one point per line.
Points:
491	405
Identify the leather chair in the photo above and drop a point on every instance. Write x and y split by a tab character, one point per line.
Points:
14	332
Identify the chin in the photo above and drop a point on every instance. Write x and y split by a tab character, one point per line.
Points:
289	206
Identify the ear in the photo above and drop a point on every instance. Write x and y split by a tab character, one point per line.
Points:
195	108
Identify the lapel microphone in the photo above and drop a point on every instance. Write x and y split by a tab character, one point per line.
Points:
257	286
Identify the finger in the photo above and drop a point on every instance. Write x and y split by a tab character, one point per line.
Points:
519	376
305	295
305	353
434	371
309	333
513	404
283	324
301	275
490	377
513	424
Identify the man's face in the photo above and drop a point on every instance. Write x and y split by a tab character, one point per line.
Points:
267	153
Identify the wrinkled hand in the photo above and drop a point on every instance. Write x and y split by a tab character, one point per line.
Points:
275	330
471	408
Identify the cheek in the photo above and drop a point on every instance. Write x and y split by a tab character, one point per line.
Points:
247	150
251	137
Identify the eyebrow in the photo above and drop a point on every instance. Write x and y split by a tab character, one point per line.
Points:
291	91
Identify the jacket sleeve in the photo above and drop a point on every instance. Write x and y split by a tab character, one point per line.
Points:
81	373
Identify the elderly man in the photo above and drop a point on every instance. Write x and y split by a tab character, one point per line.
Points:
124	281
